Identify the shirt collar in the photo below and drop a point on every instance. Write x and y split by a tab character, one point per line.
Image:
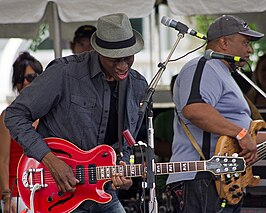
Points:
95	65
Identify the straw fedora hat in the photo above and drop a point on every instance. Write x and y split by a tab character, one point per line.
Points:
115	37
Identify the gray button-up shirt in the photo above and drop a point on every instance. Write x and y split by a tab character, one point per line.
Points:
71	99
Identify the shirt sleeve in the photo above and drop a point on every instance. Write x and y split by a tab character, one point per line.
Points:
198	88
33	103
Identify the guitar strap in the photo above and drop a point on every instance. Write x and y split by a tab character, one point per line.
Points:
122	88
199	69
191	138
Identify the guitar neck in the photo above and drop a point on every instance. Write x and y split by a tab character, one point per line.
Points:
137	170
176	167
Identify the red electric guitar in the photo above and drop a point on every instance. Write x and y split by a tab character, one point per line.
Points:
93	169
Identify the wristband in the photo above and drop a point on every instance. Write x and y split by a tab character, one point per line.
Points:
241	134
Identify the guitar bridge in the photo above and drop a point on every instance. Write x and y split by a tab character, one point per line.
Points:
29	178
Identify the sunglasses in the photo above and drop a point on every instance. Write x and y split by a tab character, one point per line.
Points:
30	77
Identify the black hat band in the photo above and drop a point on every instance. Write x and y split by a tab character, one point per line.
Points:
117	44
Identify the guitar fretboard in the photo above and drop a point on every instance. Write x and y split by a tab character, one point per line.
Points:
136	170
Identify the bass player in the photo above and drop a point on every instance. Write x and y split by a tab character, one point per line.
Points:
210	104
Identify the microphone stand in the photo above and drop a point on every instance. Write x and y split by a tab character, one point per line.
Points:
238	70
147	105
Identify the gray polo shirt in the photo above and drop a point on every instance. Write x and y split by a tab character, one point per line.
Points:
214	86
71	99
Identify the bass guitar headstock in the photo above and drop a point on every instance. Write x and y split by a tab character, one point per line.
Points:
225	164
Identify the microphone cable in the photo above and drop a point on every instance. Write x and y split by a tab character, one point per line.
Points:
194	50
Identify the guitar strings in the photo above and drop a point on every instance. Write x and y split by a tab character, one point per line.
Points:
261	151
125	170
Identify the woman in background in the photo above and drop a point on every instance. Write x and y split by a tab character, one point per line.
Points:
25	69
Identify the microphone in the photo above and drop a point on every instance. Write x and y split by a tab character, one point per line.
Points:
209	54
179	26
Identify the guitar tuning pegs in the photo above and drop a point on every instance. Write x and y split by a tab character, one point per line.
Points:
235	155
236	175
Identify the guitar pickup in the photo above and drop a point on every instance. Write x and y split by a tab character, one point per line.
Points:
80	174
92	174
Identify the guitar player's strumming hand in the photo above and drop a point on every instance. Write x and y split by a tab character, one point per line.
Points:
61	173
121	182
249	149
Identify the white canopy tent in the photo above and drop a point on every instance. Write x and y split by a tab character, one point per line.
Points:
250	10
208	7
21	19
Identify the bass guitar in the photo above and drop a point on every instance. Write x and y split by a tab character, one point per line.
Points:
230	187
93	169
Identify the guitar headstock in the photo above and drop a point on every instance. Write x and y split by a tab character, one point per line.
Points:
225	164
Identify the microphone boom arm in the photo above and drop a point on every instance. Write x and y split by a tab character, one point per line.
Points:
238	70
158	75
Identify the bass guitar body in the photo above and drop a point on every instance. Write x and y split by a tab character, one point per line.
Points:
231	186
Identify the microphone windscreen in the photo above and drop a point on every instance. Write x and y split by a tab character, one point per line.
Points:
208	54
166	21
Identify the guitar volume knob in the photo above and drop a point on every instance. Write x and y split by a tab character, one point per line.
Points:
231	189
239	194
49	199
236	186
60	194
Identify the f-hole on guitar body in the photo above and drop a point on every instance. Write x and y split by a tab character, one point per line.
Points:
231	186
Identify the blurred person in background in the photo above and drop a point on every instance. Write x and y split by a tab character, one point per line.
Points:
25	69
81	41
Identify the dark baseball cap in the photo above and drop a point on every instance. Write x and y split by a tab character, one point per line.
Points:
228	25
84	31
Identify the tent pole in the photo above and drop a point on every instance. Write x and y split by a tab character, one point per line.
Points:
57	33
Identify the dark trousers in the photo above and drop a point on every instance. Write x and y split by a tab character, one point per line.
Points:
199	196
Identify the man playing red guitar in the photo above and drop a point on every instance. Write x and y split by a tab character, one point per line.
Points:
76	99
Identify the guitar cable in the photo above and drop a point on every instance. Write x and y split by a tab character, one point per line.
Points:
142	198
223	204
